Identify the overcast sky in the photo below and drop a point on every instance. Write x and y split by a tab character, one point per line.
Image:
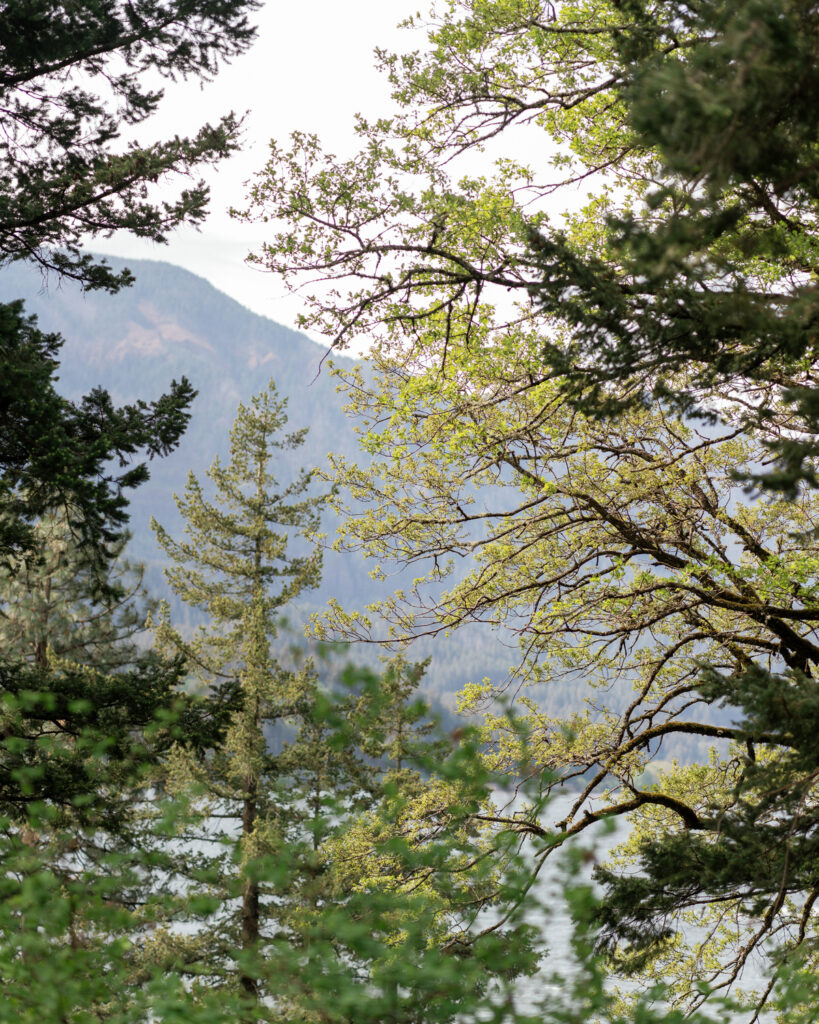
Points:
310	69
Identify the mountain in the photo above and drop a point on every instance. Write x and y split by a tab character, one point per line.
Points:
169	324
172	323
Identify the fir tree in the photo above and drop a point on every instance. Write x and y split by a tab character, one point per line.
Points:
73	458
236	566
72	76
83	700
86	711
701	292
56	606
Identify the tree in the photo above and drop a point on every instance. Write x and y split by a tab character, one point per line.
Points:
85	721
48	609
80	690
619	556
409	735
707	287
705	298
64	182
57	454
73	76
617	548
65	950
86	712
86	709
64	722
377	917
300	762
235	566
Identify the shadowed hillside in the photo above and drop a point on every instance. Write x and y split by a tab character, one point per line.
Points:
172	323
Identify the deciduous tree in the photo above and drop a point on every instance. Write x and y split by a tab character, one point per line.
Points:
530	409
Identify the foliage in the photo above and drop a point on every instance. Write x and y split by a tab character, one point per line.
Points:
368	953
84	878
49	611
236	565
528	412
73	77
76	735
618	554
85	714
69	938
86	711
707	289
281	851
57	454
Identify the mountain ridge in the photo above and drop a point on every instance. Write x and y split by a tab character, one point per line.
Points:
172	323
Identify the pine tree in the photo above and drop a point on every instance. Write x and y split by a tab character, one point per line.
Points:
86	706
84	715
72	458
701	290
410	736
72	78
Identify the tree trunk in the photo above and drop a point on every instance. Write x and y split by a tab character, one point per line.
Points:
250	891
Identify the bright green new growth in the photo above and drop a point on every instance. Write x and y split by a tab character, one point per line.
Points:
617	548
526	415
235	565
280	854
295	906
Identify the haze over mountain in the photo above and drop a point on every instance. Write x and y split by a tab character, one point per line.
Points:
172	323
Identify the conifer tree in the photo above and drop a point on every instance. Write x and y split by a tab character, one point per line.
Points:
72	76
86	711
84	715
75	457
701	292
409	734
56	605
80	694
235	565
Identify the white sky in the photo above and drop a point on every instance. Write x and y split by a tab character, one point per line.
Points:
310	69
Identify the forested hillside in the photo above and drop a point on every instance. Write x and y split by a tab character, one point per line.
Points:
171	324
581	252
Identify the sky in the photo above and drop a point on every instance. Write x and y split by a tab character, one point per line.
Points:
311	69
